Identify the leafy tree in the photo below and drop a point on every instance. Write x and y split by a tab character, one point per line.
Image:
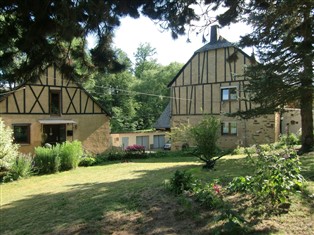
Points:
203	137
144	59
112	90
206	135
152	94
37	33
283	37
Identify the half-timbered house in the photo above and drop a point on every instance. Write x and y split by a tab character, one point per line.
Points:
53	110
212	82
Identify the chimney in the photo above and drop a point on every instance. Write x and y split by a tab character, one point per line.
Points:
214	33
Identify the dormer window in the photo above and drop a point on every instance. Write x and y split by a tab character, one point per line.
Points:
55	102
229	93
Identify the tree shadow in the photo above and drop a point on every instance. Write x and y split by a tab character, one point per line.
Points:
130	205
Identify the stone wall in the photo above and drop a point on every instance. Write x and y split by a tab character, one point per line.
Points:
261	130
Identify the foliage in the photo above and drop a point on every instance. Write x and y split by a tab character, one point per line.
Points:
112	91
87	161
22	168
208	195
205	135
135	148
126	96
181	181
290	139
8	150
65	156
151	78
202	137
70	153
276	176
57	31
144	59
181	134
47	160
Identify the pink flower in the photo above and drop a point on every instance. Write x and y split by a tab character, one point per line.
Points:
216	188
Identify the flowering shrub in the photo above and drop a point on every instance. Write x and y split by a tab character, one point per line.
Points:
135	148
276	176
8	150
208	195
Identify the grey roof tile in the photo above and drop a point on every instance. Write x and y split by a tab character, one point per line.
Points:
163	121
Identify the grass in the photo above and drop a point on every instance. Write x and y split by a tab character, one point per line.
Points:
130	198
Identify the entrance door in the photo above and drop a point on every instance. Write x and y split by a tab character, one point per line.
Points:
55	133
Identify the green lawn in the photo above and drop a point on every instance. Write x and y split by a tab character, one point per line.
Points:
130	198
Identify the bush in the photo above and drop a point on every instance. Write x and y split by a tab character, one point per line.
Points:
135	148
8	150
47	160
205	135
70	153
276	176
208	195
291	139
181	181
21	168
87	161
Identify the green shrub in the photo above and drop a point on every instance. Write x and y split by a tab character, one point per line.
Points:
70	153
21	168
208	195
8	150
276	176
47	160
87	161
181	181
206	135
291	139
244	150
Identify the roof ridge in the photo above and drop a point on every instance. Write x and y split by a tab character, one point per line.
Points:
220	43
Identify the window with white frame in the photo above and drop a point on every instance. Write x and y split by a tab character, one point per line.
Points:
229	128
229	93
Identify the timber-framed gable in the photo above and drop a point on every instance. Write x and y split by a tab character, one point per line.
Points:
52	110
35	98
212	82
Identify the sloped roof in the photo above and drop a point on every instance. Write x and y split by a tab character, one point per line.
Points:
163	121
3	95
216	42
220	43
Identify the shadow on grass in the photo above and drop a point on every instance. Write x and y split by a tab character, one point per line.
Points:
130	206
97	208
308	174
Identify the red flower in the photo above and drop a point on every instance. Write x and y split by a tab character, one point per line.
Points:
216	188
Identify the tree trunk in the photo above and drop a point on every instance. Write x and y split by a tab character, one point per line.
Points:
307	119
306	96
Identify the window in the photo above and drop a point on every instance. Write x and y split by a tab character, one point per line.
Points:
55	103
229	128
21	133
229	93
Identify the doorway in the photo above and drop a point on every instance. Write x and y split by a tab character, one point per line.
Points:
54	134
